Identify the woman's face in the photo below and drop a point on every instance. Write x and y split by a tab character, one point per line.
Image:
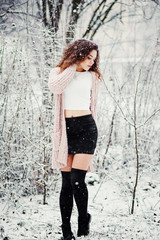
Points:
86	64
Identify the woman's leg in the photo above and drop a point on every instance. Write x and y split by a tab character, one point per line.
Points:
78	172
69	164
80	191
66	198
81	161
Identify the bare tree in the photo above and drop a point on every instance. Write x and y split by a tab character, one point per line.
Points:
102	14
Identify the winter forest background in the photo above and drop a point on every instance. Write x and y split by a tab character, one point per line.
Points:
124	190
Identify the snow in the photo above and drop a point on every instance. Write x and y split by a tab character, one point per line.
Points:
26	218
25	63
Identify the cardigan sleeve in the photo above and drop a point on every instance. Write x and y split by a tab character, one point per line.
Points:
59	81
94	95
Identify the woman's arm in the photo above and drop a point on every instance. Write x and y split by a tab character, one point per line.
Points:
59	81
94	95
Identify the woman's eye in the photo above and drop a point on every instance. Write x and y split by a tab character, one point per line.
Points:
89	58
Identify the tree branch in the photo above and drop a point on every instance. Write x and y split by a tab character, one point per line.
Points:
92	21
153	114
101	22
117	103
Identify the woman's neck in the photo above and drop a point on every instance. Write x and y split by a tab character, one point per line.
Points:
79	69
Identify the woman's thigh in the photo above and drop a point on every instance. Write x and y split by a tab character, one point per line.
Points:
69	163
81	161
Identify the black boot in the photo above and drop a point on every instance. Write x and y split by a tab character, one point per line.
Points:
70	237
84	225
67	233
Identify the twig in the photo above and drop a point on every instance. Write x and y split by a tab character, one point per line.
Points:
153	114
117	103
136	145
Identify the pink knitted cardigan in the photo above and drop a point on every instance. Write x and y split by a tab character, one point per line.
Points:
57	84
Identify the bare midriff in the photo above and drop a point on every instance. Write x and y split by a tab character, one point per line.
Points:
75	113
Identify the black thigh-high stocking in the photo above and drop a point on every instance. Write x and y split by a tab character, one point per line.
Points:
80	191
66	202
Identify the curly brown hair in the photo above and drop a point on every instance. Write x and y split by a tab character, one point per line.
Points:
76	52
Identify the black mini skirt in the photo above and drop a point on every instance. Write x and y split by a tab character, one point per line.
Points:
82	134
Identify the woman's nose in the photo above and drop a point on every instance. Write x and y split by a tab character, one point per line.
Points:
92	61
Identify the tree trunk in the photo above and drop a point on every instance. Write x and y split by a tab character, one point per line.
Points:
74	16
44	19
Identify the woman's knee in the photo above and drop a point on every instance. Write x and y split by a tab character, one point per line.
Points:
77	177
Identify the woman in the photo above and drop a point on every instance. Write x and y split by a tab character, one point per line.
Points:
75	82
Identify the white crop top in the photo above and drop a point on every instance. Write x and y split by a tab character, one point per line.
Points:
77	94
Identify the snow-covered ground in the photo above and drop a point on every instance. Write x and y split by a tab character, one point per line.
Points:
25	74
27	218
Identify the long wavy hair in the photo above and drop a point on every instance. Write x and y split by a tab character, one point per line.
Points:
76	52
